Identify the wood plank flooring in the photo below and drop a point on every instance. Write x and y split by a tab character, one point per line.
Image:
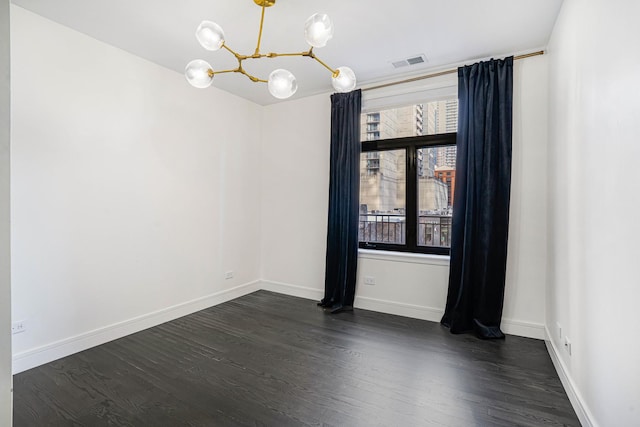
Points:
273	360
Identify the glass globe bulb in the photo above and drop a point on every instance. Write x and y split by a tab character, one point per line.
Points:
318	30
282	84
210	35
197	73
346	80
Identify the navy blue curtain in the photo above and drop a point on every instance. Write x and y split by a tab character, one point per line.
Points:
344	189
480	221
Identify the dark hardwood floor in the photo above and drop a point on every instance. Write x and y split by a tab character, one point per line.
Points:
273	360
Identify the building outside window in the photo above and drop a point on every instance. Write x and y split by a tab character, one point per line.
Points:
407	177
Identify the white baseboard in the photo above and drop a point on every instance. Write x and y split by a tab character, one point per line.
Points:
382	306
53	351
292	290
522	328
582	411
399	309
432	314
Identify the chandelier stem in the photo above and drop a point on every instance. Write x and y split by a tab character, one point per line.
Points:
260	31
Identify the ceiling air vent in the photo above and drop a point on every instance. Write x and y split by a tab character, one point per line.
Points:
415	60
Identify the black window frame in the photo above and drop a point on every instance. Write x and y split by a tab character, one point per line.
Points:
411	145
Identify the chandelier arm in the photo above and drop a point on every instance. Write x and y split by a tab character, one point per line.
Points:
257	52
275	55
335	73
250	76
234	70
309	53
234	53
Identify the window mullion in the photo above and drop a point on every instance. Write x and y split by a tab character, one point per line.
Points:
411	197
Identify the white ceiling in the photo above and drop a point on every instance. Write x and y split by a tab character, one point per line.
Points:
368	36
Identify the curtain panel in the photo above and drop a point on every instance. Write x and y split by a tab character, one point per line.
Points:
480	221
344	189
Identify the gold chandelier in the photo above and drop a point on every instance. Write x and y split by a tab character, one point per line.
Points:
318	29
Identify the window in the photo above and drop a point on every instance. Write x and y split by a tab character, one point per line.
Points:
407	178
372	136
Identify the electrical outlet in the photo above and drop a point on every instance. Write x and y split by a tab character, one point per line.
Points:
559	330
567	345
19	326
228	275
369	280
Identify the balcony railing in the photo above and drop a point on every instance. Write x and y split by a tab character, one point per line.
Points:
433	230
382	228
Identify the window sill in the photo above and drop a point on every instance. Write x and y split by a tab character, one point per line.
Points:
407	257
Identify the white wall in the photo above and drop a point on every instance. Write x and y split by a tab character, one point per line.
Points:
5	264
594	183
524	304
294	199
295	190
132	192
